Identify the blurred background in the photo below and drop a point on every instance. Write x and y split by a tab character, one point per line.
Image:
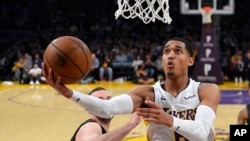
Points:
27	27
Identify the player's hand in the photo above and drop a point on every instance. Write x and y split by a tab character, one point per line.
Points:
135	119
55	82
155	113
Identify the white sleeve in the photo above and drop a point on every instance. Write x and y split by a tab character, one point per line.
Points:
121	104
200	129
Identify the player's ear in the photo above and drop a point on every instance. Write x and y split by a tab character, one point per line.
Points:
190	61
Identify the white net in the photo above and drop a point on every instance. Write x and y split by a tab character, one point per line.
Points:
206	16
147	10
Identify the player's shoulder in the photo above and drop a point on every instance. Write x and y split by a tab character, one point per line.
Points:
88	129
212	86
90	125
208	88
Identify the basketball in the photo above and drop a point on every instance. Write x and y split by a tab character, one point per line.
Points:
69	57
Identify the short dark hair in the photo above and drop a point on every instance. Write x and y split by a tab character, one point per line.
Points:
188	46
96	89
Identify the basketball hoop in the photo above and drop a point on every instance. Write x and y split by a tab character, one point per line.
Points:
206	14
147	10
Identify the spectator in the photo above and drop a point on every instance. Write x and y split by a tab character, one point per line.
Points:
93	75
238	69
158	66
142	76
138	61
27	65
149	65
106	68
225	64
120	57
37	60
35	74
17	69
247	66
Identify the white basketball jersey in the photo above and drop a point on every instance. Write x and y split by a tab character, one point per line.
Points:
183	106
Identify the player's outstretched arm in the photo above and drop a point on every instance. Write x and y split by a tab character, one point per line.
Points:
92	131
94	105
119	133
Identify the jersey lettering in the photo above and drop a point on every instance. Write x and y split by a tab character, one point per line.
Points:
187	115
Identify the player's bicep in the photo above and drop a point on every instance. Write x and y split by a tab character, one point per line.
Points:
89	132
210	95
137	100
139	94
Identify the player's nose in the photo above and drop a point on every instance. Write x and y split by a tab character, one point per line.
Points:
171	55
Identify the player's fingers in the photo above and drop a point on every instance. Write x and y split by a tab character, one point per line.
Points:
58	81
143	112
149	119
155	114
45	71
150	103
51	77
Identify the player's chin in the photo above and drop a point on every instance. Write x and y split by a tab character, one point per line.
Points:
170	73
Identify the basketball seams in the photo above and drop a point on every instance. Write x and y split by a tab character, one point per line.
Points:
69	57
72	62
51	65
85	55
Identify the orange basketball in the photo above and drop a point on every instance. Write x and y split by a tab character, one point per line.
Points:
69	57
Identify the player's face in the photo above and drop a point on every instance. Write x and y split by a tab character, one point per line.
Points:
176	59
102	94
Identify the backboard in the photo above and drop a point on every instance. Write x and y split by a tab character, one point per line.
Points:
194	7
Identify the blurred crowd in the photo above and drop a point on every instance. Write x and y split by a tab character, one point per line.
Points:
27	27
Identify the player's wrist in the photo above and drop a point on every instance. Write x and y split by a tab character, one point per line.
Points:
170	121
133	123
68	93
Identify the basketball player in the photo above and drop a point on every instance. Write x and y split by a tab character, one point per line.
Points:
244	114
177	108
96	128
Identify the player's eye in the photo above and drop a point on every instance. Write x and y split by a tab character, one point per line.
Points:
178	51
166	51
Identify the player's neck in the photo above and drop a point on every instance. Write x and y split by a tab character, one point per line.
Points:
175	86
103	122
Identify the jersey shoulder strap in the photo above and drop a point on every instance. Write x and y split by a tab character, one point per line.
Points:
87	121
